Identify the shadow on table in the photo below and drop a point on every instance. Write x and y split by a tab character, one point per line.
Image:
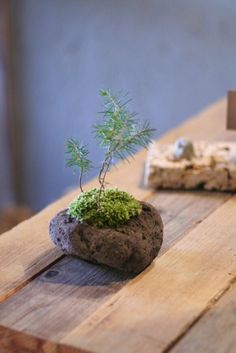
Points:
76	272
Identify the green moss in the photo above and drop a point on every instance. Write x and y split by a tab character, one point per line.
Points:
116	207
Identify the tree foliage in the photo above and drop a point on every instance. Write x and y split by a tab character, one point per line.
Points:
118	132
78	158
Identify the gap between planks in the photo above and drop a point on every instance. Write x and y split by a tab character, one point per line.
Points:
214	330
26	249
72	283
169	136
174	345
152	310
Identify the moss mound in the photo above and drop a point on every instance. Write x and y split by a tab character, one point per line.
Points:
116	208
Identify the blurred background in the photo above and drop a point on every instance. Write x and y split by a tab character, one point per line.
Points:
173	57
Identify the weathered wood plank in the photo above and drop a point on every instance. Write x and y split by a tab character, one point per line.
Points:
159	305
215	332
26	250
71	283
12	341
183	210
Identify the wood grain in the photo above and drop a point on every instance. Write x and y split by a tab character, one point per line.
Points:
215	332
231	110
72	283
88	306
159	305
26	250
12	341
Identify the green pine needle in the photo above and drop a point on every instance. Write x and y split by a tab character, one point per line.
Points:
78	157
119	132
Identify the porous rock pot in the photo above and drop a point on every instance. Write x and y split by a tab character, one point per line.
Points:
130	247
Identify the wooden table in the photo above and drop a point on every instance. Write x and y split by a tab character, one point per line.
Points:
184	302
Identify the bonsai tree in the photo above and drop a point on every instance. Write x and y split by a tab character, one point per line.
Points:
105	225
120	134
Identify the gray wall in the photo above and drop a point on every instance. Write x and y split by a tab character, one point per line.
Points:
6	185
174	57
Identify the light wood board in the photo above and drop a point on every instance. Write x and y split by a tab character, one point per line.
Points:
72	283
27	249
170	295
215	332
17	342
53	298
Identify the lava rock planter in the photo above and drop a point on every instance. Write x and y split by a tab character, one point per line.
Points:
109	226
130	247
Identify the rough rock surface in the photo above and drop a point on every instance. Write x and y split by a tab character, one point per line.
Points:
183	149
213	167
131	247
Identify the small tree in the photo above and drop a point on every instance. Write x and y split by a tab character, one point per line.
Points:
118	132
78	158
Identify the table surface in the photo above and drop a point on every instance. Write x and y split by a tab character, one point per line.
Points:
184	302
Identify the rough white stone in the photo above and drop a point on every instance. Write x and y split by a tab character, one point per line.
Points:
213	167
